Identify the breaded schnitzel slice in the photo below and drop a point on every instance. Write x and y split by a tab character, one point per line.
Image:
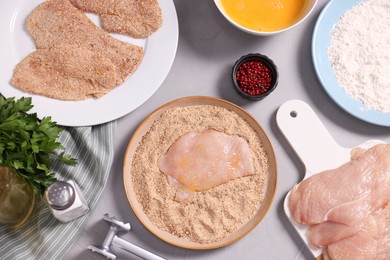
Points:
136	18
66	73
57	22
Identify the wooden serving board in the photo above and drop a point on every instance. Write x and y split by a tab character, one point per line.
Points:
315	147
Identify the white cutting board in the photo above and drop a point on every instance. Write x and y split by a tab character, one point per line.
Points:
315	147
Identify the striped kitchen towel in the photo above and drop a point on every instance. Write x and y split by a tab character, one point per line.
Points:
44	237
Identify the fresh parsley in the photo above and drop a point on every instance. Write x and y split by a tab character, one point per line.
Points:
29	145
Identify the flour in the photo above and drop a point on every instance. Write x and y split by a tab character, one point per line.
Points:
360	53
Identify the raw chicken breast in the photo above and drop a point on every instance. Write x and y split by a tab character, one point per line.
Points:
347	209
371	242
343	221
312	200
201	161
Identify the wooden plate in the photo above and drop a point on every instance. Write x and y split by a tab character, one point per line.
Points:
137	207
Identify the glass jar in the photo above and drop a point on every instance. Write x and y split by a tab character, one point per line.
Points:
17	199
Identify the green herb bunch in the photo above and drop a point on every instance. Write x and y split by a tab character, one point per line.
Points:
29	145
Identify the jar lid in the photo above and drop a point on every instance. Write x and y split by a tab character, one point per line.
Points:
60	195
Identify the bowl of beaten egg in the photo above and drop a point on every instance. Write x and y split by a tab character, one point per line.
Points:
265	17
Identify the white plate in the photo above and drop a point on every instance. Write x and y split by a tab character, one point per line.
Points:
160	51
329	16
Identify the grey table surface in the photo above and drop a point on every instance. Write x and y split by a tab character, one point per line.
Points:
208	47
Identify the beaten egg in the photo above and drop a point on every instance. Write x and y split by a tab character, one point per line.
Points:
264	15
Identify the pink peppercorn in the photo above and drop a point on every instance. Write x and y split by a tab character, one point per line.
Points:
254	77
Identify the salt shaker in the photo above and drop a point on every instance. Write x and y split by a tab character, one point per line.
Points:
66	201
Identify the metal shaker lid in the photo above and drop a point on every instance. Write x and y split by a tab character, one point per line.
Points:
60	195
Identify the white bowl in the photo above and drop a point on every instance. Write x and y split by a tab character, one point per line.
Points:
309	8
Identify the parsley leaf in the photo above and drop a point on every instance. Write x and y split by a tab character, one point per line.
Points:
29	145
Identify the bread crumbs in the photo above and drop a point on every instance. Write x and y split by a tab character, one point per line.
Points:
207	216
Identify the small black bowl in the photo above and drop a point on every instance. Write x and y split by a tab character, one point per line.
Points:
268	70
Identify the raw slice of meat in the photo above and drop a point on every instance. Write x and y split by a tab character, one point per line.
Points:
328	232
342	221
348	208
312	200
357	247
383	249
57	22
201	161
138	19
65	73
372	242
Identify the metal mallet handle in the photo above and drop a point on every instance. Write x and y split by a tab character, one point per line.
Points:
136	250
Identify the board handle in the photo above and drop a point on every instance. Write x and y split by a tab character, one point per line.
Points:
309	138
